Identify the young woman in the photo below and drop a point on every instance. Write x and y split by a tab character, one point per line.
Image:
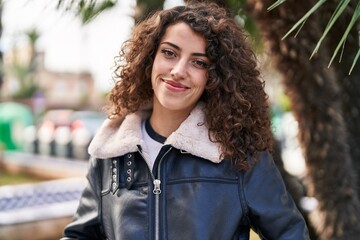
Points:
185	151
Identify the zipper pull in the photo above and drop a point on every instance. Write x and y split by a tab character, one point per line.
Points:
157	189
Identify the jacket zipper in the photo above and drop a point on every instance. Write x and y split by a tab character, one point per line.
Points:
156	192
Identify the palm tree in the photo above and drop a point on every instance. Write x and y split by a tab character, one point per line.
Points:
316	97
25	72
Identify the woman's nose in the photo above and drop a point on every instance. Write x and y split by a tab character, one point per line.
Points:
179	70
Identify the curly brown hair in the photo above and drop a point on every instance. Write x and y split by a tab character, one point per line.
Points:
236	107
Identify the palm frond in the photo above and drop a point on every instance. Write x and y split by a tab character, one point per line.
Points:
355	61
276	4
305	17
353	20
341	7
86	9
338	11
89	12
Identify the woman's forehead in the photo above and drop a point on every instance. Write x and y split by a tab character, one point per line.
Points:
182	35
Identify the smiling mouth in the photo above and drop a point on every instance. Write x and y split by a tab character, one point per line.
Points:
175	84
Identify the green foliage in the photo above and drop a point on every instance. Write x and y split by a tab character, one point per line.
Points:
341	7
236	5
24	76
251	27
24	72
338	11
26	91
354	18
33	36
86	9
355	60
246	21
305	17
276	4
145	7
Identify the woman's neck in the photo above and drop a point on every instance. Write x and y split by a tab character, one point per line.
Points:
165	122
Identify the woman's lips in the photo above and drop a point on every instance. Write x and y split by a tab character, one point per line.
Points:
175	85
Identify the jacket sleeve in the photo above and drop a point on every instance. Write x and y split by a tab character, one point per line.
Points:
271	210
86	222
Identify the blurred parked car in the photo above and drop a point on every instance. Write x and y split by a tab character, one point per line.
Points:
84	125
53	129
14	118
31	143
63	133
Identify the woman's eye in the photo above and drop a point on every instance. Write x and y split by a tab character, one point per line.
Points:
200	64
168	53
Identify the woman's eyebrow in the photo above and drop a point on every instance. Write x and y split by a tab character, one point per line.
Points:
179	48
173	45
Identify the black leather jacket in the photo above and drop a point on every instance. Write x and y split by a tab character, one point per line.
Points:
184	197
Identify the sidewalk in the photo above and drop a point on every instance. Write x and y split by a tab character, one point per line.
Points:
46	206
39	210
45	167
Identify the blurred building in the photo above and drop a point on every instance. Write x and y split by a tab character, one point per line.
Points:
54	89
67	89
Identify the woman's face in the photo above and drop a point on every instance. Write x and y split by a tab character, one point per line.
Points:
179	72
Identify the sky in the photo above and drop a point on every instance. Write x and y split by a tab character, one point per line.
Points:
68	45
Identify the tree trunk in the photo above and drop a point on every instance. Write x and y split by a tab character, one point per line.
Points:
316	102
350	84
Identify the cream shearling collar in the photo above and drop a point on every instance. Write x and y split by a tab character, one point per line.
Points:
117	137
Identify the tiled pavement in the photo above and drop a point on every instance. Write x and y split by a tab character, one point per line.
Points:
39	201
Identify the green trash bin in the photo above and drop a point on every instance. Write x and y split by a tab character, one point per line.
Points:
14	118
